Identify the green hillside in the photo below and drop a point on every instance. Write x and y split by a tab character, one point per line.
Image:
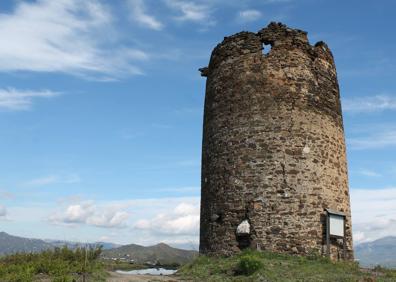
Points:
157	254
265	266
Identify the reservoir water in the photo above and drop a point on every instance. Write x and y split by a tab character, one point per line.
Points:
149	271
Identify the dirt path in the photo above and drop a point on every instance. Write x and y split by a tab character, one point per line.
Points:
117	277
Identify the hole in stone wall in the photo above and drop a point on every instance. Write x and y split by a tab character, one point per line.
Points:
243	235
266	49
244	241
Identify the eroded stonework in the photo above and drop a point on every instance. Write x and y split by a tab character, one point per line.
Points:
273	145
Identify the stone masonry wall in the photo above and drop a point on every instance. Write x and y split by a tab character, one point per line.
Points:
273	145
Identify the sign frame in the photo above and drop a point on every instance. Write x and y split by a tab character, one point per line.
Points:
335	214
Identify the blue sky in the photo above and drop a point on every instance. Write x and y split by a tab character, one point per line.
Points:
101	106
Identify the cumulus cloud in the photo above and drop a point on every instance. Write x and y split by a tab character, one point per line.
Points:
139	15
116	219
249	15
373	213
3	211
109	218
77	213
18	100
369	104
182	220
191	11
88	213
63	36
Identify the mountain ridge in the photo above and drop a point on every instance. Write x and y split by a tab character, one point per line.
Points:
159	253
12	244
378	252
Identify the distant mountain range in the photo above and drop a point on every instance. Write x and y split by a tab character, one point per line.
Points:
11	244
160	253
379	252
157	254
73	245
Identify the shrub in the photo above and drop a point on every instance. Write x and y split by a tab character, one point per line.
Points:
58	264
248	264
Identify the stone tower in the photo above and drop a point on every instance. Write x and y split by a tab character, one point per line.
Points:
273	157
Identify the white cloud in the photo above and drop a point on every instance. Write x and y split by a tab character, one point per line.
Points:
369	173
171	219
88	213
46	180
104	238
78	213
186	209
54	179
17	100
373	213
358	237
3	211
109	218
182	220
64	36
140	16
191	11
373	141
82	220
369	104
249	15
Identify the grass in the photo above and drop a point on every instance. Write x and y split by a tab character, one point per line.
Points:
64	265
265	266
58	265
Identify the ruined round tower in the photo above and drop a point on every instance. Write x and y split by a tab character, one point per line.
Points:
273	156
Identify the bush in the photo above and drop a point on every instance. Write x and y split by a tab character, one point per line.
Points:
248	264
58	264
